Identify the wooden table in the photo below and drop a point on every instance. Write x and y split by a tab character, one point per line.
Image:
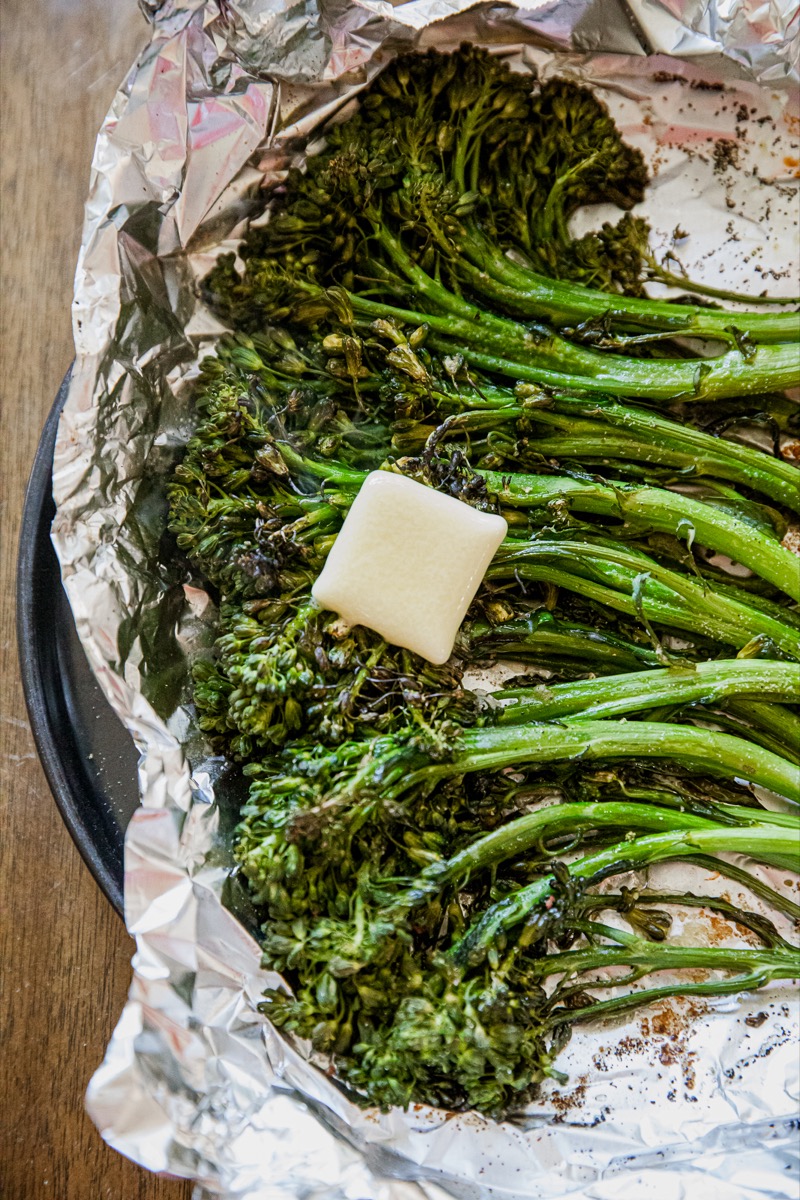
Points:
65	954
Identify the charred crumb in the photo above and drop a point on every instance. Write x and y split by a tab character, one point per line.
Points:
726	155
669	77
565	1103
704	85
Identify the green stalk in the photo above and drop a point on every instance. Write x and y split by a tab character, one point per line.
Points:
609	430
724	585
660	609
531	830
740	463
566	303
644	955
661	275
526	293
767	734
605	448
612	696
665	511
781	723
601	445
783	967
661	591
326	470
541	637
703	750
750	882
621	902
768	368
773	369
743	815
763	844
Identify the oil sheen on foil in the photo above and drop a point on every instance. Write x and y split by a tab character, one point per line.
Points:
679	1101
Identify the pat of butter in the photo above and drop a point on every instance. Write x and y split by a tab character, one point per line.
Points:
408	562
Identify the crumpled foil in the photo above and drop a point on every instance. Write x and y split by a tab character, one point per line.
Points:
681	1101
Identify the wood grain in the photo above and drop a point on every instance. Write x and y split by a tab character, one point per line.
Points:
65	954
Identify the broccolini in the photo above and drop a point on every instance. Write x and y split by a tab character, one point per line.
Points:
425	856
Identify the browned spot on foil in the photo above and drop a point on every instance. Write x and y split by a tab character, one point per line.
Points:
565	1102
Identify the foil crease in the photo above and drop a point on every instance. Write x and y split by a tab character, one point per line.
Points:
195	1082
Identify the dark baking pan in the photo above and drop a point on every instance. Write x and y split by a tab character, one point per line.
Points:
87	755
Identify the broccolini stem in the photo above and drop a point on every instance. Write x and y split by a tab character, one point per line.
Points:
781	723
628	898
495	747
595	440
743	814
526	832
730	374
666	511
720	866
566	303
764	730
785	968
541	636
547	349
662	609
604	448
706	612
612	696
607	430
686	284
773	368
776	963
764	844
327	470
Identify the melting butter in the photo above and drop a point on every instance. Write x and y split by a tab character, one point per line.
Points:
408	562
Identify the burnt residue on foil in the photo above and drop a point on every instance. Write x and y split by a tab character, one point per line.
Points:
195	1082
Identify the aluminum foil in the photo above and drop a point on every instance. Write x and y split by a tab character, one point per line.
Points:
195	1083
